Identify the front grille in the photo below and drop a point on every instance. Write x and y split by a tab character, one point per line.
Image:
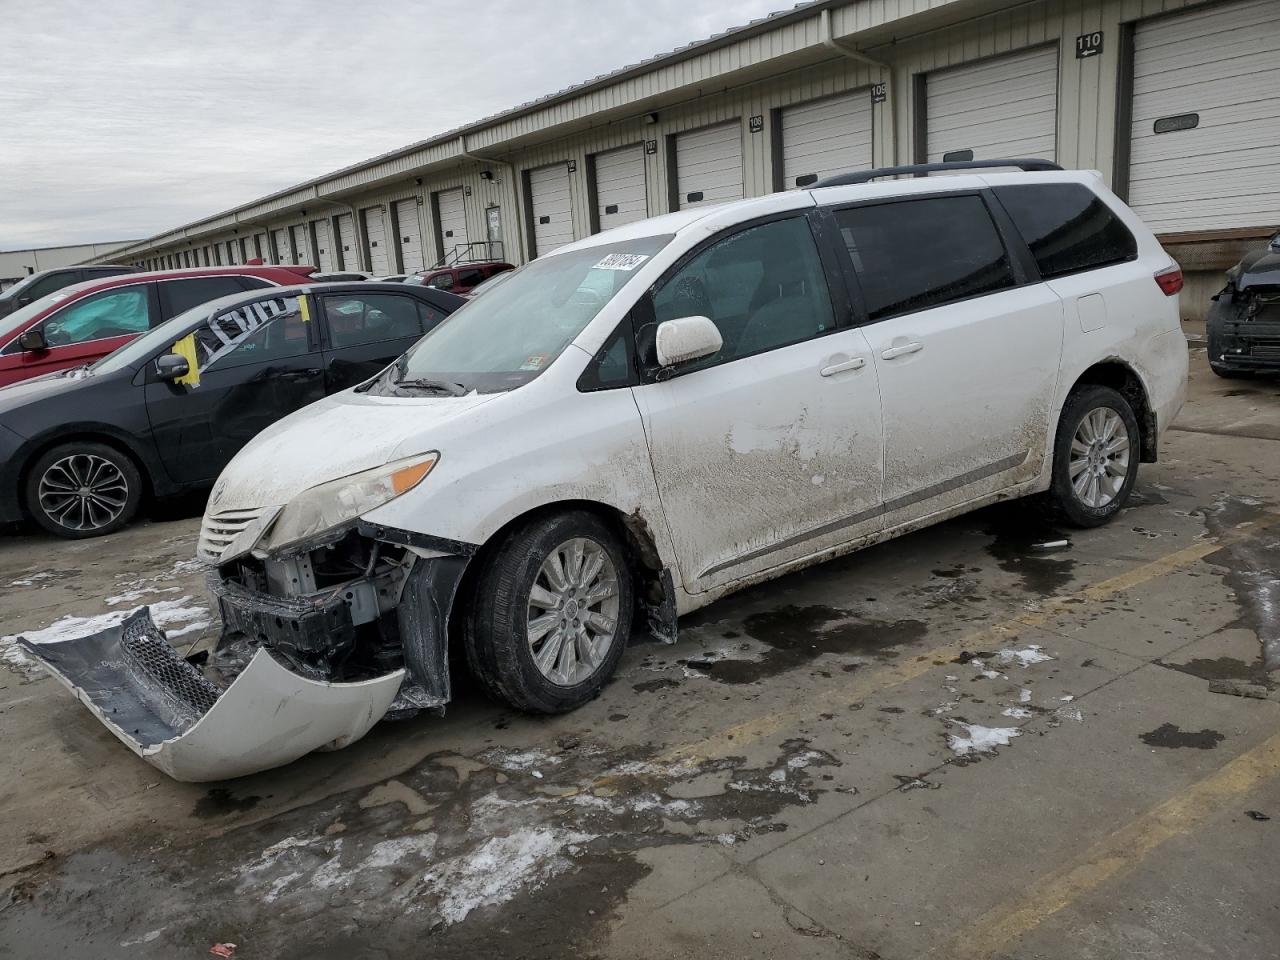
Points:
219	529
1266	351
185	691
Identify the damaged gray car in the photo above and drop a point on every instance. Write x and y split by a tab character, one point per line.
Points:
1243	324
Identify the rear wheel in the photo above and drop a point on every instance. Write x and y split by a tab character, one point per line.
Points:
551	613
1095	458
83	489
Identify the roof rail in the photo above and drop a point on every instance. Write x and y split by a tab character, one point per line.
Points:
862	176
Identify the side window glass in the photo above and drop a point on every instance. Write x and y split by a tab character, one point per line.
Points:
253	283
368	318
763	288
1067	227
914	254
429	316
50	283
114	313
178	296
257	332
469	278
442	282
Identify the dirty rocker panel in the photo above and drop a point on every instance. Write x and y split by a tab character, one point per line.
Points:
897	503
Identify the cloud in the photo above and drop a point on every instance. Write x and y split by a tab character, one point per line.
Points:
124	119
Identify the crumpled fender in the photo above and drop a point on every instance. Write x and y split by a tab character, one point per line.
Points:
267	717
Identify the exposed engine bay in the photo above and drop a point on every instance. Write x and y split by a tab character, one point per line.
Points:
1243	325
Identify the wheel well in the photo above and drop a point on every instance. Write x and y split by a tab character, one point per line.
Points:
104	439
632	530
1120	377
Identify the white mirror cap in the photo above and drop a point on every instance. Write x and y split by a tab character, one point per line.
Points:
689	338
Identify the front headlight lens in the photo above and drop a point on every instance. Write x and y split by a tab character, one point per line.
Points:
334	503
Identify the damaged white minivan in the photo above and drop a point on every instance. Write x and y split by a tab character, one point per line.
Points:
646	420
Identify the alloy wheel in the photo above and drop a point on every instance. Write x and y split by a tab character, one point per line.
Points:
1100	456
573	611
83	492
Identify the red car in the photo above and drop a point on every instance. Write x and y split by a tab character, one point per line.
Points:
85	321
459	279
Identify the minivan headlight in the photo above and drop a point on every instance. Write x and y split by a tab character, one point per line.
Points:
334	503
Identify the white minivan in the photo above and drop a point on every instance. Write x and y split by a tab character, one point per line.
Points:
644	421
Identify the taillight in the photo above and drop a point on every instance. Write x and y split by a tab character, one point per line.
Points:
1170	281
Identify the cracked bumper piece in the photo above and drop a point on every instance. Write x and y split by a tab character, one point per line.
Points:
169	714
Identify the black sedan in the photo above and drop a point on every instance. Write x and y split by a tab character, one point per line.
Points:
80	449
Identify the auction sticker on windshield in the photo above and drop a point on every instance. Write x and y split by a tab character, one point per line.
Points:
621	261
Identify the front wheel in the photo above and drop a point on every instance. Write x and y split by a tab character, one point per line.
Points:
551	613
83	489
1095	457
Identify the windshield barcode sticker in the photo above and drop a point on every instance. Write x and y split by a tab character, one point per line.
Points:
622	261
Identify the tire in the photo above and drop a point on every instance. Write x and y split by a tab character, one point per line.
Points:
1087	410
514	588
106	499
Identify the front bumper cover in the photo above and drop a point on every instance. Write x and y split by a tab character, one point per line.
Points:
168	713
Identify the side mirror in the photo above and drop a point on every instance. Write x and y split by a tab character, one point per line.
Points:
1274	243
172	367
33	340
23	301
689	338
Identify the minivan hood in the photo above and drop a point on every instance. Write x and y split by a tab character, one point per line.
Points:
334	437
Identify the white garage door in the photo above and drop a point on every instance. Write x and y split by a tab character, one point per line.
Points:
1004	107
453	222
709	165
409	229
376	237
280	241
324	245
233	251
1210	82
301	244
349	259
825	138
552	208
621	193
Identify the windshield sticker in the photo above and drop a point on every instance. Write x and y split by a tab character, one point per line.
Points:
535	361
621	261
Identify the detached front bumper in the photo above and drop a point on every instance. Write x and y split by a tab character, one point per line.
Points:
168	713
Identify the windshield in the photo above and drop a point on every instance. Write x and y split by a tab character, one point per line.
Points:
18	319
505	338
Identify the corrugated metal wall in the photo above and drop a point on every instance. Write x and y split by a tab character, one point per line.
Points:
913	36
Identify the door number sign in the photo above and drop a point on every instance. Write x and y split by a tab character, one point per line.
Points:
1088	45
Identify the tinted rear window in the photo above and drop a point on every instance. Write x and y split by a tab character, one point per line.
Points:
915	254
1068	228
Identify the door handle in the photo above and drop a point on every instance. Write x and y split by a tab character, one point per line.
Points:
857	363
301	374
901	351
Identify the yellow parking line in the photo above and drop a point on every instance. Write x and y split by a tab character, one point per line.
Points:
1116	853
863	684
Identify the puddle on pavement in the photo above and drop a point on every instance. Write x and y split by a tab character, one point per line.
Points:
1169	735
1249	567
796	635
1018	547
541	844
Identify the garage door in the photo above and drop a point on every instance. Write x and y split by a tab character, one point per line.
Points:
280	243
552	208
301	244
232	254
621	193
709	165
453	221
376	237
324	245
409	235
825	138
1004	107
349	259
1209	82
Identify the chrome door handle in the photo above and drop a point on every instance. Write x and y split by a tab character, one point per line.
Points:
902	351
857	363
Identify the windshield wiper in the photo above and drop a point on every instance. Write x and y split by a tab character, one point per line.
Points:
443	386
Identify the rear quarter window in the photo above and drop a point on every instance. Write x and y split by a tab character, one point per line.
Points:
1068	227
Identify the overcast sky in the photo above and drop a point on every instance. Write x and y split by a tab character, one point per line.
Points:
123	119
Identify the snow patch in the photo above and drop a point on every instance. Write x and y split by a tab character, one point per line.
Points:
1018	713
499	869
981	739
1025	658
